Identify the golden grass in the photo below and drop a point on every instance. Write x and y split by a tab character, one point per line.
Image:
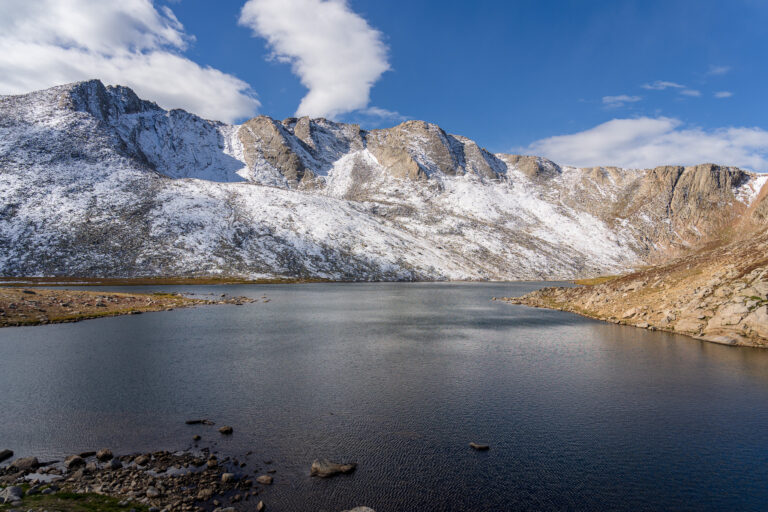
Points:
595	280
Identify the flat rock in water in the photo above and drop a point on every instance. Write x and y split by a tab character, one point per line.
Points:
5	454
200	422
325	468
479	447
265	480
226	430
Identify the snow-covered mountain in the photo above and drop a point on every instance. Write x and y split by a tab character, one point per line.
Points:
97	182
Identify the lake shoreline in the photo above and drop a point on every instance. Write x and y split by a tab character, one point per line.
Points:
533	302
21	307
195	479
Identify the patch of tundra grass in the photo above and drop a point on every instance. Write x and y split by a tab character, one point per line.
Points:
73	502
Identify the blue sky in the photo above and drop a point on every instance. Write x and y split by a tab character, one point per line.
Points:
631	83
510	72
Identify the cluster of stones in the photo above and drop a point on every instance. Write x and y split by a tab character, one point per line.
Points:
163	481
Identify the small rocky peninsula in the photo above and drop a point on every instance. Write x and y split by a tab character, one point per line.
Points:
26	306
718	294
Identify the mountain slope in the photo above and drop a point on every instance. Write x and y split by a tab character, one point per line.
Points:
97	182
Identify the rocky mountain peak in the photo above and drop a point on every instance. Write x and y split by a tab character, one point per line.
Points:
105	103
99	181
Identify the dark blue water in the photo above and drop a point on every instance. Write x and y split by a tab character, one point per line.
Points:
580	415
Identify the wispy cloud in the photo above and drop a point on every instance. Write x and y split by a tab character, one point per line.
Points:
723	94
384	114
333	50
49	42
718	70
660	85
620	100
648	142
691	92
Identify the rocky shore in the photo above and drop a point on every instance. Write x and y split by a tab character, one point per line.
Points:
185	481
27	306
717	294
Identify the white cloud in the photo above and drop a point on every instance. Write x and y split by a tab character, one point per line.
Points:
718	70
723	94
649	142
691	92
334	51
49	42
620	100
660	85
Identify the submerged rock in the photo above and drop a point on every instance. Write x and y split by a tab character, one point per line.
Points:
226	430
479	447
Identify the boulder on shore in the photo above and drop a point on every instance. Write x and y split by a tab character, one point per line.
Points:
74	461
104	455
25	464
11	494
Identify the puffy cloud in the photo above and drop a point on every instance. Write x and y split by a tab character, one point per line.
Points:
620	100
333	51
723	94
648	142
660	85
49	42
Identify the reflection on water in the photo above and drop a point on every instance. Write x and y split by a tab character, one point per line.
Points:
580	415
